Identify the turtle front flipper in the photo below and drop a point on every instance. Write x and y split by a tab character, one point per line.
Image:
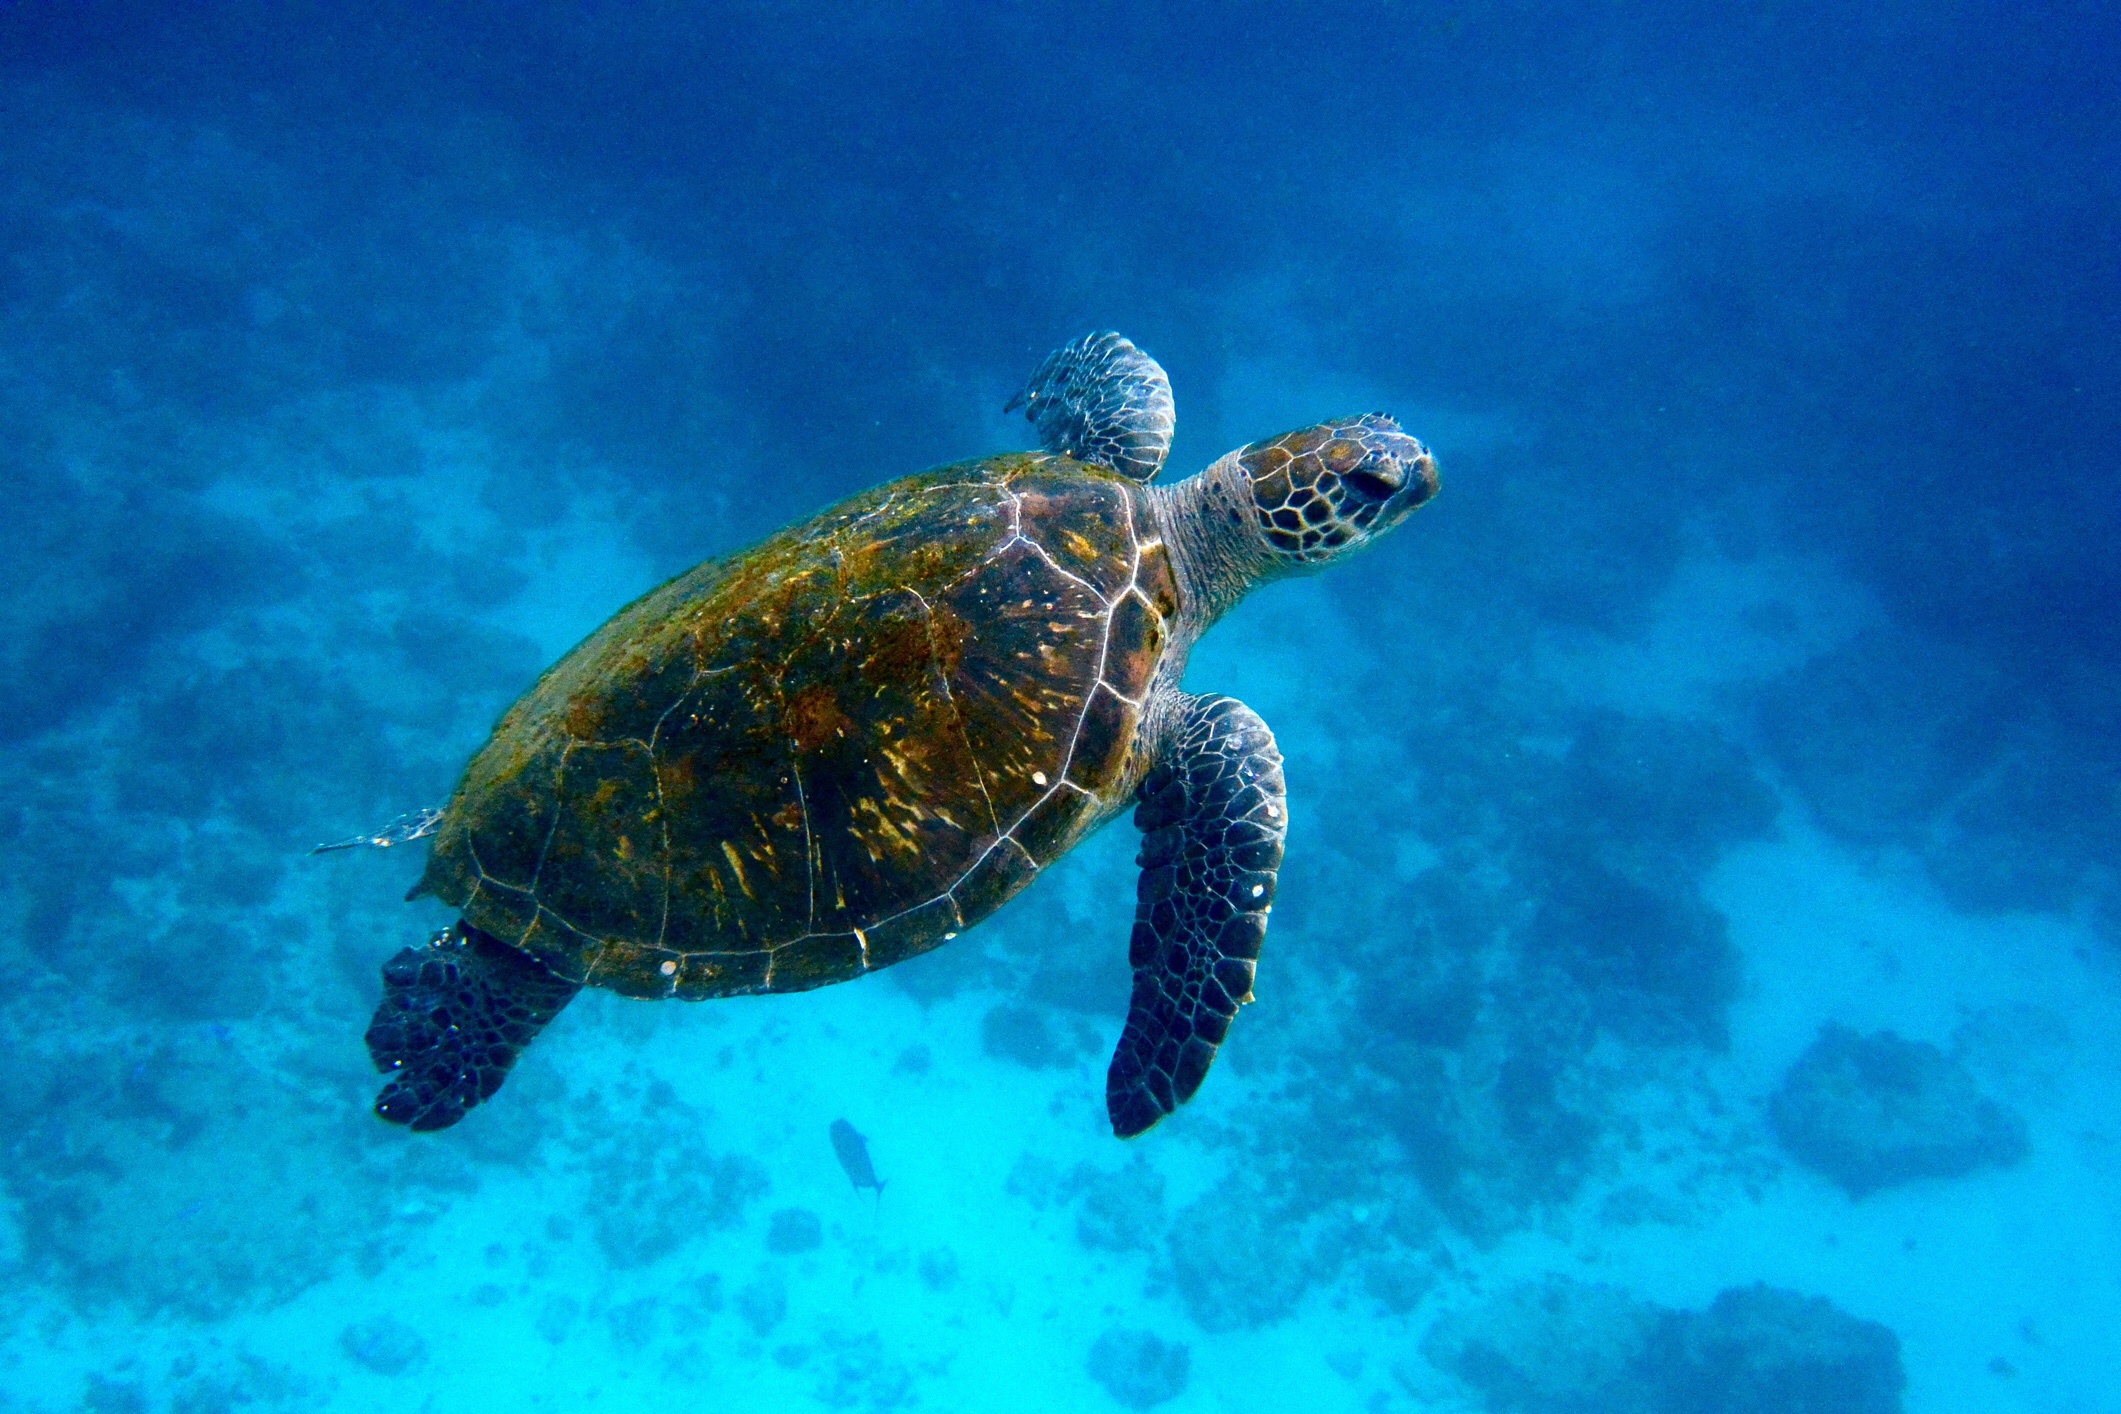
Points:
1212	821
455	1015
1102	400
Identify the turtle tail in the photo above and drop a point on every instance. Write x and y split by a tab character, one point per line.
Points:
455	1015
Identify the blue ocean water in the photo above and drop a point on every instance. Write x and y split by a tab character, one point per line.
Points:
1695	981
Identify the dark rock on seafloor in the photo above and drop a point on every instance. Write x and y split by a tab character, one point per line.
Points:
1930	714
655	1186
1569	1347
1762	1350
1252	1274
1138	1370
1023	1034
384	1344
557	1317
763	1303
109	1396
1872	1112
1656	966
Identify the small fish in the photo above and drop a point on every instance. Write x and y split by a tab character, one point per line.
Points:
853	1152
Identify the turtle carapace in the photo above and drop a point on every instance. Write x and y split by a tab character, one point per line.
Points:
855	740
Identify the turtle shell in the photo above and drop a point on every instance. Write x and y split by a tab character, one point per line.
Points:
829	752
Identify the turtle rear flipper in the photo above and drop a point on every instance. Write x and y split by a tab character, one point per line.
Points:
1212	821
1102	400
455	1015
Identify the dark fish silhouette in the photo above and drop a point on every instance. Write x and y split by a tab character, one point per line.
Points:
853	1152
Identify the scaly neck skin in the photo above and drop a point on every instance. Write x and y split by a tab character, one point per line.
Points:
1218	559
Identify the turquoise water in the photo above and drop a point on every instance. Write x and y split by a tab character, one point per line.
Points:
1694	981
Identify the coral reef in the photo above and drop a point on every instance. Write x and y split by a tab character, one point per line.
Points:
1568	1347
1877	1111
384	1344
1137	1369
653	1183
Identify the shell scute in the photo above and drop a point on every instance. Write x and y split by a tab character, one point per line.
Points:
738	874
1102	743
1154	579
508	913
1134	646
1021	681
720	974
503	840
883	788
1005	869
605	868
828	753
914	932
634	969
814	962
1084	525
1052	824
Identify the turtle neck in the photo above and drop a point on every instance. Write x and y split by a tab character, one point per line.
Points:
1207	520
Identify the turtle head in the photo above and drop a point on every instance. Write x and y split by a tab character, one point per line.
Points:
1324	491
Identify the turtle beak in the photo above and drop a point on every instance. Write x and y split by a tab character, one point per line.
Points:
1420	481
1398	471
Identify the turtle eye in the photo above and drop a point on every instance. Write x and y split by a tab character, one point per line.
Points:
1377	479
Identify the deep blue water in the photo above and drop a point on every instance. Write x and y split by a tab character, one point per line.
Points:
1695	982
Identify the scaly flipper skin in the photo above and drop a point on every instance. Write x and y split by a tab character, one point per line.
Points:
1102	400
455	1015
1212	820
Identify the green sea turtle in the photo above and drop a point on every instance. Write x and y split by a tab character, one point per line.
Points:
855	740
